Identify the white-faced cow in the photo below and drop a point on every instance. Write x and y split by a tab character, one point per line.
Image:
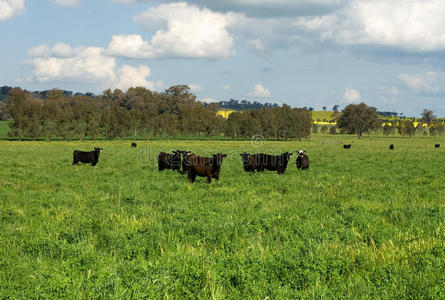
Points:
302	160
91	157
169	161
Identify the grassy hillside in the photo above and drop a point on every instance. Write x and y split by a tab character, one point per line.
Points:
360	223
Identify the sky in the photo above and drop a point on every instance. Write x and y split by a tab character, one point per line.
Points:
386	53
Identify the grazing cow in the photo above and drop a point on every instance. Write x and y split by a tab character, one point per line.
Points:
263	161
133	145
169	161
436	145
91	157
302	160
209	167
391	147
184	162
347	146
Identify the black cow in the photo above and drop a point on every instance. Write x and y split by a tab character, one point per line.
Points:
391	147
263	161
302	160
169	161
436	145
91	157
133	145
209	167
347	146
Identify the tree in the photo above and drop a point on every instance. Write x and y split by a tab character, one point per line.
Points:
335	108
16	107
358	119
333	130
427	116
324	107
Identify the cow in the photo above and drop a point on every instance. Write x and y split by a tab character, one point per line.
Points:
209	167
133	145
436	145
263	161
184	163
391	147
247	162
91	157
302	160
169	161
347	146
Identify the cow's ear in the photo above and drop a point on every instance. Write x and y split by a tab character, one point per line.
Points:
224	155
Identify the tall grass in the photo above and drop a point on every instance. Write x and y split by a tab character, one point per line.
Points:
360	223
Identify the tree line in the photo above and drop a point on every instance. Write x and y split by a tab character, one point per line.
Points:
141	113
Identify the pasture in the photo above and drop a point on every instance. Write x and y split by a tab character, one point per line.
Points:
364	222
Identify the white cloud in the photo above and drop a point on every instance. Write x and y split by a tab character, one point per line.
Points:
39	51
226	87
180	30
86	64
429	83
11	8
65	2
130	45
207	100
259	91
265	8
388	94
411	26
195	87
351	96
134	77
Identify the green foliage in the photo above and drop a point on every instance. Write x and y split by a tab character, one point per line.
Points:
358	119
358	224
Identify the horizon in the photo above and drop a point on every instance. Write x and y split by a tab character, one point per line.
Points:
303	53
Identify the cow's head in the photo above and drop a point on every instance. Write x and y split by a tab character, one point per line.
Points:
287	155
246	157
98	150
218	158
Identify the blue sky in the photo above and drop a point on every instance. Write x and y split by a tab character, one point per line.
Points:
314	53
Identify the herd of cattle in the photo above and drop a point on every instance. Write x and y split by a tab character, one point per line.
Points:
210	167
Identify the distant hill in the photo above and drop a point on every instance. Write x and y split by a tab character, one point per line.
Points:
4	90
234	104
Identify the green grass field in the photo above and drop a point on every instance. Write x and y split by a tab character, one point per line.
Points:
363	223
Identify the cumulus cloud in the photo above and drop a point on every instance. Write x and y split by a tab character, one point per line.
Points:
11	8
259	91
207	100
86	64
133	77
411	26
180	30
65	2
388	94
266	8
195	87
429	83
351	96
